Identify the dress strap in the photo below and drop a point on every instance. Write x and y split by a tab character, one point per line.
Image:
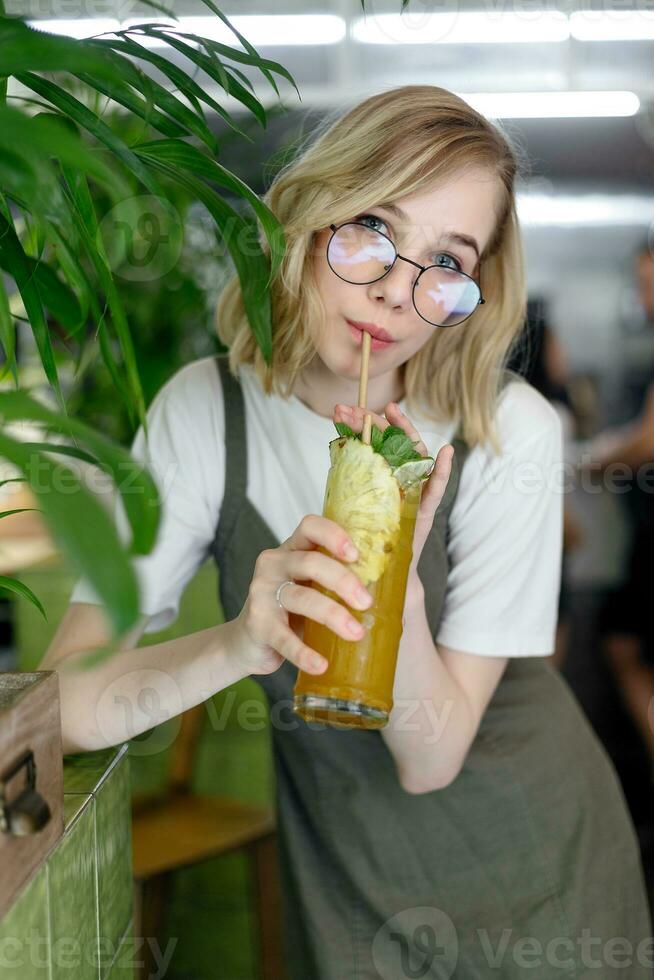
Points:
236	457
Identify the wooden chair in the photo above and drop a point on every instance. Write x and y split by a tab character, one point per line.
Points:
178	828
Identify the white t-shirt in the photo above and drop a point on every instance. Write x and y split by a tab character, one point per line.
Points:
505	524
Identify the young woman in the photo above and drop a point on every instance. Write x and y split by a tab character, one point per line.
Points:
483	831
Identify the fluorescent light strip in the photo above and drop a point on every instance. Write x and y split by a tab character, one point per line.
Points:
465	27
468	27
263	31
85	27
542	210
553	105
506	27
612	25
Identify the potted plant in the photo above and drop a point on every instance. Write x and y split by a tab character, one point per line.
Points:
65	165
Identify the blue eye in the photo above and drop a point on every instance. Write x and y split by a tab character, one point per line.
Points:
374	217
450	257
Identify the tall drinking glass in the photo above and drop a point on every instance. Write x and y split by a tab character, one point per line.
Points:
356	689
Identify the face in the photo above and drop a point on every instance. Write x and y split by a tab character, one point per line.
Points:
466	206
645	283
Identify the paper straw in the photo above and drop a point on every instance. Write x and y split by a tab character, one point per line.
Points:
363	387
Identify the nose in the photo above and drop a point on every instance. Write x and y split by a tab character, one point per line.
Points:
396	287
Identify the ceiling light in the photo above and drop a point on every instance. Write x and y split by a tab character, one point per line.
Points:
612	25
457	27
555	105
260	30
85	27
536	208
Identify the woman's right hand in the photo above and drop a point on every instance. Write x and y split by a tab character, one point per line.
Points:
267	634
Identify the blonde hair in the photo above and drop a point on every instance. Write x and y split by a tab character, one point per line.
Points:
392	144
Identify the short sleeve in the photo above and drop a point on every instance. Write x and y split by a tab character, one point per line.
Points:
506	536
185	455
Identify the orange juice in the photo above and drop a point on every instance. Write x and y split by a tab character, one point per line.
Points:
356	689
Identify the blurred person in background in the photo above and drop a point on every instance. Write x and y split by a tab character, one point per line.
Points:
541	359
625	623
626	453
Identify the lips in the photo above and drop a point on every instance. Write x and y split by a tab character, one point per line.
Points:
377	332
375	343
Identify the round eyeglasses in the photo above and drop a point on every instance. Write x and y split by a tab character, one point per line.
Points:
441	296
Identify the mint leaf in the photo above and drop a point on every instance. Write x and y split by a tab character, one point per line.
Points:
393	443
376	438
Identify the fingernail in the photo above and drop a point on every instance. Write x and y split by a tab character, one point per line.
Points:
363	596
355	628
350	552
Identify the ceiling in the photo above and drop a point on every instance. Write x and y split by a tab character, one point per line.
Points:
606	153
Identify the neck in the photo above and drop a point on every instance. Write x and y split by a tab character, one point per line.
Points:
320	389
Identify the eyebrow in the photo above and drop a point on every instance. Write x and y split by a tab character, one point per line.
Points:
451	236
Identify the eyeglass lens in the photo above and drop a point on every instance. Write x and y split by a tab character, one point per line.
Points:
442	296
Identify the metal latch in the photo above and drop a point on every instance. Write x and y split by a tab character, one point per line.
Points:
28	812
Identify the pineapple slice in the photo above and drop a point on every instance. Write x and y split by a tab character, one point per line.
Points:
364	497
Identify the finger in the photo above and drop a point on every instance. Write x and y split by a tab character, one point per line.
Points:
314	605
313	566
396	416
287	643
314	531
434	490
353	416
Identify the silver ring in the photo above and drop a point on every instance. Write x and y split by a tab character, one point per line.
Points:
279	592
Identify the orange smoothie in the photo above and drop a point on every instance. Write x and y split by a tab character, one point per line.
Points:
356	689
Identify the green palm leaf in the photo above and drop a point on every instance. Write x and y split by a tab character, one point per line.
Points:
20	267
189	159
88	120
253	268
136	486
14	585
183	82
24	48
7	334
97	553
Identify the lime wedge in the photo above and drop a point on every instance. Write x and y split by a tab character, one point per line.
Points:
414	471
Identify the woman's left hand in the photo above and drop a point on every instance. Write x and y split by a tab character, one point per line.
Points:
432	491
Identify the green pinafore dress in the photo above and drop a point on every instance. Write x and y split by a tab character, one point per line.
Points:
526	865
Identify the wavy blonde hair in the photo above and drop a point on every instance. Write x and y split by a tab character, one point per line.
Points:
392	144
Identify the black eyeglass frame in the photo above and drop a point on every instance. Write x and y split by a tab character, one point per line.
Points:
423	268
